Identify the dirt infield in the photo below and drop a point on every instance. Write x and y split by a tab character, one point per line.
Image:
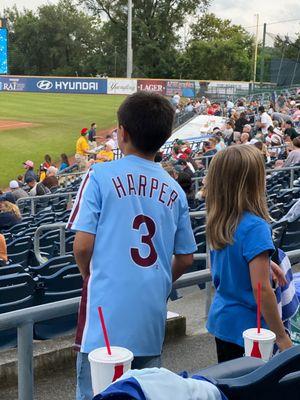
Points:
7	125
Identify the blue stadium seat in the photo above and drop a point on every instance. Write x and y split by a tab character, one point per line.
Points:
19	258
11	269
19	245
52	266
64	284
249	379
17	291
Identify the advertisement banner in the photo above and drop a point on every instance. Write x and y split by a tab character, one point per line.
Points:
121	86
53	85
3	51
152	85
183	88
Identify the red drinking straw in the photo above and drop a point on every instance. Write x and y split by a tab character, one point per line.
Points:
258	306
104	330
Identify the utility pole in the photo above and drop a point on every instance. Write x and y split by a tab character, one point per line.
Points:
255	50
262	61
129	40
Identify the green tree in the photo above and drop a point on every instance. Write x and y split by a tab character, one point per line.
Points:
57	39
217	50
156	40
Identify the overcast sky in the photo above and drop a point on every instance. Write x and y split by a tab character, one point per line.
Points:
239	11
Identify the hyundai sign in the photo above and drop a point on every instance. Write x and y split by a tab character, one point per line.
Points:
3	51
53	85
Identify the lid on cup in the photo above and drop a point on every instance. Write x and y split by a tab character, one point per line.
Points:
265	334
118	355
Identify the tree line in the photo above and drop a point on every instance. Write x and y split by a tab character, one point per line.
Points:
90	39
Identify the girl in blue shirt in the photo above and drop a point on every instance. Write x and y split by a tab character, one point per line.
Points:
241	242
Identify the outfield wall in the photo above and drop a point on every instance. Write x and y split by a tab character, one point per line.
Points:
186	88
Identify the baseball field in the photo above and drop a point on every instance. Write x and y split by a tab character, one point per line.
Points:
34	124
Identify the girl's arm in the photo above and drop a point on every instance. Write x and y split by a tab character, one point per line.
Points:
260	272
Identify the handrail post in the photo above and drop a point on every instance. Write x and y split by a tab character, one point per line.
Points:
32	206
292	177
62	241
25	361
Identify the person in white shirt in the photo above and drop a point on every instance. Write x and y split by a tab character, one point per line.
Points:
265	120
176	99
111	142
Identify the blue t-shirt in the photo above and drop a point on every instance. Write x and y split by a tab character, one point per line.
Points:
140	217
233	309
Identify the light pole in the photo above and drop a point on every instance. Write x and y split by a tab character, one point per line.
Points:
129	40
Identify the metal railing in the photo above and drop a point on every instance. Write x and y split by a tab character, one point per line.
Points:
35	199
61	226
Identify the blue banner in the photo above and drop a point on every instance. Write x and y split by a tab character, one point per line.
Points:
53	85
3	51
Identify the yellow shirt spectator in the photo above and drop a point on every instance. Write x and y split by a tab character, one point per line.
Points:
106	154
82	146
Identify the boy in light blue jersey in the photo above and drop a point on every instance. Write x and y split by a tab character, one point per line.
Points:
131	217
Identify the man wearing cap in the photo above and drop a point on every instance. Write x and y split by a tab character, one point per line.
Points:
36	189
82	150
16	191
28	165
290	131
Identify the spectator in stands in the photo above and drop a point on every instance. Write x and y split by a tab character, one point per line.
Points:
186	183
263	150
28	165
176	99
42	172
92	136
9	214
294	155
169	168
136	312
281	100
17	191
182	166
51	181
82	150
265	120
20	180
47	161
3	251
247	129
220	144
106	154
228	131
290	131
64	162
245	138
239	234
296	114
111	142
276	150
241	122
36	189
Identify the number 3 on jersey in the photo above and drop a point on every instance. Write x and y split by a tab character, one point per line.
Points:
145	239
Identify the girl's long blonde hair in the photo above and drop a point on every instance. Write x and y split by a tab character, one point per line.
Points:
7	206
235	183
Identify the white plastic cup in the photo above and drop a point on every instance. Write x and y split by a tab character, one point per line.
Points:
264	341
106	368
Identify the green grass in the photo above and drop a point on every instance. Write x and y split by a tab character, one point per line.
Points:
60	118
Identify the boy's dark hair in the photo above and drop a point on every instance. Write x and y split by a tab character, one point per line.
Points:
93	124
261	109
148	119
158	157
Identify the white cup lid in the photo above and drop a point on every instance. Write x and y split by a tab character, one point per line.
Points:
118	355
265	334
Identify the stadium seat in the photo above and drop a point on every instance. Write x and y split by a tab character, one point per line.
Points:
246	379
64	284
19	245
17	291
19	258
52	266
11	269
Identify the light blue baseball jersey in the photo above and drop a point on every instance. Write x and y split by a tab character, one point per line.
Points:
140	217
